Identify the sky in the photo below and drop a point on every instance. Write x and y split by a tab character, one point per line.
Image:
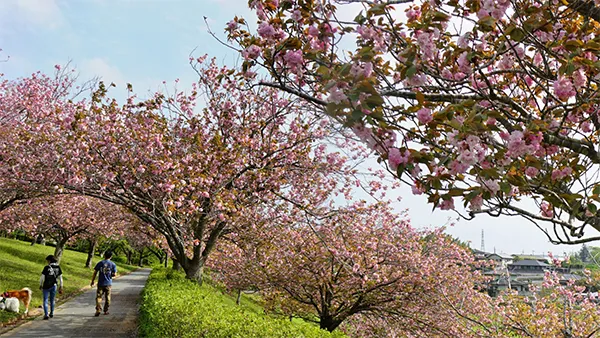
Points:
146	42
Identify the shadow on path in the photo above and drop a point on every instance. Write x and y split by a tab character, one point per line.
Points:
75	318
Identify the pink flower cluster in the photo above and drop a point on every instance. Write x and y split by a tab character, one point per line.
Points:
470	151
424	115
547	209
494	8
294	60
561	173
520	144
336	95
252	52
396	158
447	204
361	70
563	88
426	42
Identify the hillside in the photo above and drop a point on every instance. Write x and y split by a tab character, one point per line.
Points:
21	265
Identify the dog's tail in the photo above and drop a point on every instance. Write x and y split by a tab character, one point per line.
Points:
29	292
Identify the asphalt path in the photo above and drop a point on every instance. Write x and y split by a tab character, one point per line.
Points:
75	318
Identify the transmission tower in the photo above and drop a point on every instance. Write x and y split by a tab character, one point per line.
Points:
482	241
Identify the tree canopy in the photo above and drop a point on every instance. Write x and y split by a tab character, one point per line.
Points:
490	104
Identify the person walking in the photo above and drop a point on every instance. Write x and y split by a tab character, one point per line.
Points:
51	275
106	270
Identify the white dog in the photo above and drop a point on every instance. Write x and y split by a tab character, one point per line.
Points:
9	304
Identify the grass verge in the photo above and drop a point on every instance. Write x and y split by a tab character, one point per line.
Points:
175	307
21	266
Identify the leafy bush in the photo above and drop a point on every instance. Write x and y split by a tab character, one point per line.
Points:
175	307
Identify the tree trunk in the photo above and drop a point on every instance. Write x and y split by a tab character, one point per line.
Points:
166	258
193	270
60	247
141	258
239	297
176	265
129	254
91	250
329	323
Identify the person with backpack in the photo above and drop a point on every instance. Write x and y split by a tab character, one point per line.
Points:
106	270
51	275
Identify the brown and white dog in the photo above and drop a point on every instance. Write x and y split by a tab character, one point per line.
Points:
23	295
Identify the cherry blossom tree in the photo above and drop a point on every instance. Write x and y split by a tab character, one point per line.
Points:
187	171
554	310
65	218
477	102
360	261
32	101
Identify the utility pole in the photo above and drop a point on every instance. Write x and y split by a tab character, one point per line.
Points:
482	241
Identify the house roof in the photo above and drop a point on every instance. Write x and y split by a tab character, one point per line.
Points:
490	255
503	257
530	262
568	276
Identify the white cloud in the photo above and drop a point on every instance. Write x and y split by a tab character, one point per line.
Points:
101	68
42	13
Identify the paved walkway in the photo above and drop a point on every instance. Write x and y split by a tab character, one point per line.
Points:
75	318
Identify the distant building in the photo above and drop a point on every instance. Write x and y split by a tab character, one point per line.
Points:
518	272
500	259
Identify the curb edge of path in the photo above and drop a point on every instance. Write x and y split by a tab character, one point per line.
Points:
34	313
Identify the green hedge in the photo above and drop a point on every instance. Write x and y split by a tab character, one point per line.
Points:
175	307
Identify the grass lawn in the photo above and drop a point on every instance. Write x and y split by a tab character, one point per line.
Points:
21	266
175	307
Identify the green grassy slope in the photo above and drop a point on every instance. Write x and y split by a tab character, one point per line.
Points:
175	307
21	266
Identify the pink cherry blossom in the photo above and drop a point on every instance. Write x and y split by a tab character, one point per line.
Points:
336	95
447	204
266	30
396	158
547	209
252	52
531	171
563	88
424	115
294	59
